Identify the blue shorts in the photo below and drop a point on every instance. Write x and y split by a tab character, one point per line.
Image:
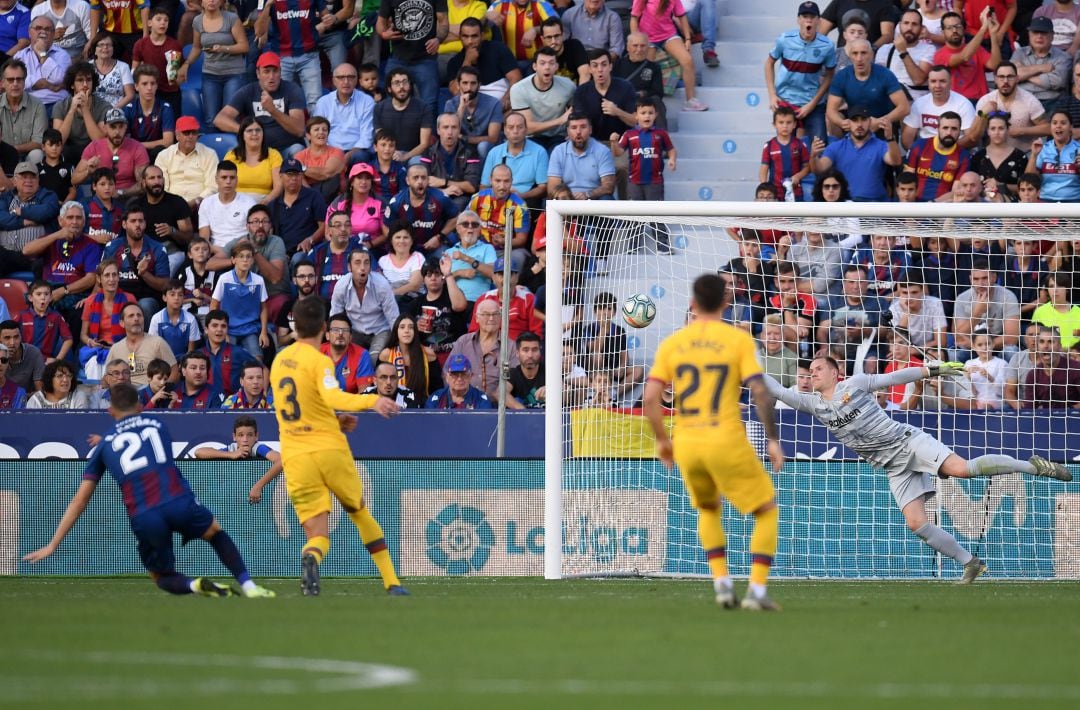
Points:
154	530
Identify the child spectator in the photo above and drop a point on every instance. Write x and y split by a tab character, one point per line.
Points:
104	215
197	279
151	119
54	171
987	373
246	446
162	52
389	173
242	294
784	157
368	82
158	392
647	146
252	393
178	327
43	327
226	359
605	345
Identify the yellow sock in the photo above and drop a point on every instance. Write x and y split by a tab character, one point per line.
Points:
711	532
372	536
763	544
317	546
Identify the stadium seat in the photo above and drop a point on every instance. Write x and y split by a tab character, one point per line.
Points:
194	77
14	291
220	142
192	102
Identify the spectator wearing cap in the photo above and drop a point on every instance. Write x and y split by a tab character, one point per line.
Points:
45	65
860	155
80	118
189	166
441	310
523	317
368	300
430	212
472	258
27	212
807	61
482	348
453	165
12	395
151	119
879	16
277	105
868	85
330	257
365	212
299	212
480	115
526	159
1042	68
491	204
351	116
292	28
168	217
323	163
459	393
125	156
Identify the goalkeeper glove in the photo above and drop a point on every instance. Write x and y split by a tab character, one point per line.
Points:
946	369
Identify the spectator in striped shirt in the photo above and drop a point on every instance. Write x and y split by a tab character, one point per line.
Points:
784	156
43	327
937	162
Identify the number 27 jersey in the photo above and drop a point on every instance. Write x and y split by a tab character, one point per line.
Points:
707	362
137	453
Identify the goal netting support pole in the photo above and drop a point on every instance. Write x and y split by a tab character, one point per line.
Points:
879	287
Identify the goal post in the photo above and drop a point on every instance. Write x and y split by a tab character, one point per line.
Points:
611	509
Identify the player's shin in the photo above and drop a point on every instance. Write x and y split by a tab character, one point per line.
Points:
713	539
763	547
372	536
174	583
943	542
997	465
317	546
229	555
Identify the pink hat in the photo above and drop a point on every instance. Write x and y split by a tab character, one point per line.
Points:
361	168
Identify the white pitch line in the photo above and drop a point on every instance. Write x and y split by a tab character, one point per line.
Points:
331	676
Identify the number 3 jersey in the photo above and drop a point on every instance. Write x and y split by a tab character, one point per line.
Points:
306	397
137	453
707	363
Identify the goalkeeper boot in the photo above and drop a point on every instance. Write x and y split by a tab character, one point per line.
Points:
208	588
398	591
258	592
754	603
309	576
1049	469
972	571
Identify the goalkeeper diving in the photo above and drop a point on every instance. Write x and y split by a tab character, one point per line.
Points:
909	455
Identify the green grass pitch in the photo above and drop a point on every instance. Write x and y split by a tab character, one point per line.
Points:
529	643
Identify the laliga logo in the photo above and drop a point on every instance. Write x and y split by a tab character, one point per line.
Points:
459	539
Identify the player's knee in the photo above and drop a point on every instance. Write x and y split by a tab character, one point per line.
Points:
766	508
214	529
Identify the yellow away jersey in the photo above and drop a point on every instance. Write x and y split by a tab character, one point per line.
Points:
706	363
306	397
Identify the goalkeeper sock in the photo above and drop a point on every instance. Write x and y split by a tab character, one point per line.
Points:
317	546
175	583
711	533
226	551
996	465
763	544
944	543
372	535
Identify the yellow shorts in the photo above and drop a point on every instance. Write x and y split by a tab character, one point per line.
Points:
311	478
728	469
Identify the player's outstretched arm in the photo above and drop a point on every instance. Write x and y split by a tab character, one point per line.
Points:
336	399
765	404
74	509
653	408
796	400
255	494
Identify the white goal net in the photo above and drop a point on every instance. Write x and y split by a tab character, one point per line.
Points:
878	287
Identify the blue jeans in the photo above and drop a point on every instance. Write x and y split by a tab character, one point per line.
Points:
333	43
703	18
814	124
425	78
307	72
214	90
249	343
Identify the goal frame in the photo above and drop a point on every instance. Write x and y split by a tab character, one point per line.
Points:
558	210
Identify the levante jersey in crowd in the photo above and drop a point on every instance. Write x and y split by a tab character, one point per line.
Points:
707	363
390	183
103	220
1058	169
306	397
330	267
353	370
783	161
226	366
120	16
936	169
647	147
47	333
428	219
292	26
137	453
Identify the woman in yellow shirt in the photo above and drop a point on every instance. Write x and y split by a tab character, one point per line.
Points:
257	165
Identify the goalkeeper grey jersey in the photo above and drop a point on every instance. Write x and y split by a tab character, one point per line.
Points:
853	414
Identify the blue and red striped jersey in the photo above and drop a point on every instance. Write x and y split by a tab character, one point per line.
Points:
388	184
427	220
104	220
647	148
935	169
46	333
330	267
292	27
226	366
783	162
137	453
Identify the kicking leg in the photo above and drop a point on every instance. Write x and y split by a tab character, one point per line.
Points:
940	540
229	555
987	465
317	532
371	535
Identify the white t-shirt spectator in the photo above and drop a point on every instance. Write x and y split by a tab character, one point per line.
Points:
988	380
227	222
924	114
400	276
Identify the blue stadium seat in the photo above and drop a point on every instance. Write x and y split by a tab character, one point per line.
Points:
220	142
192	101
194	77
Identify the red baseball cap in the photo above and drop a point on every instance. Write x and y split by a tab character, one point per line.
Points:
187	123
269	59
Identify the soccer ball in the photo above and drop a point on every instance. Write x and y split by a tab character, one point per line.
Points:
638	311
